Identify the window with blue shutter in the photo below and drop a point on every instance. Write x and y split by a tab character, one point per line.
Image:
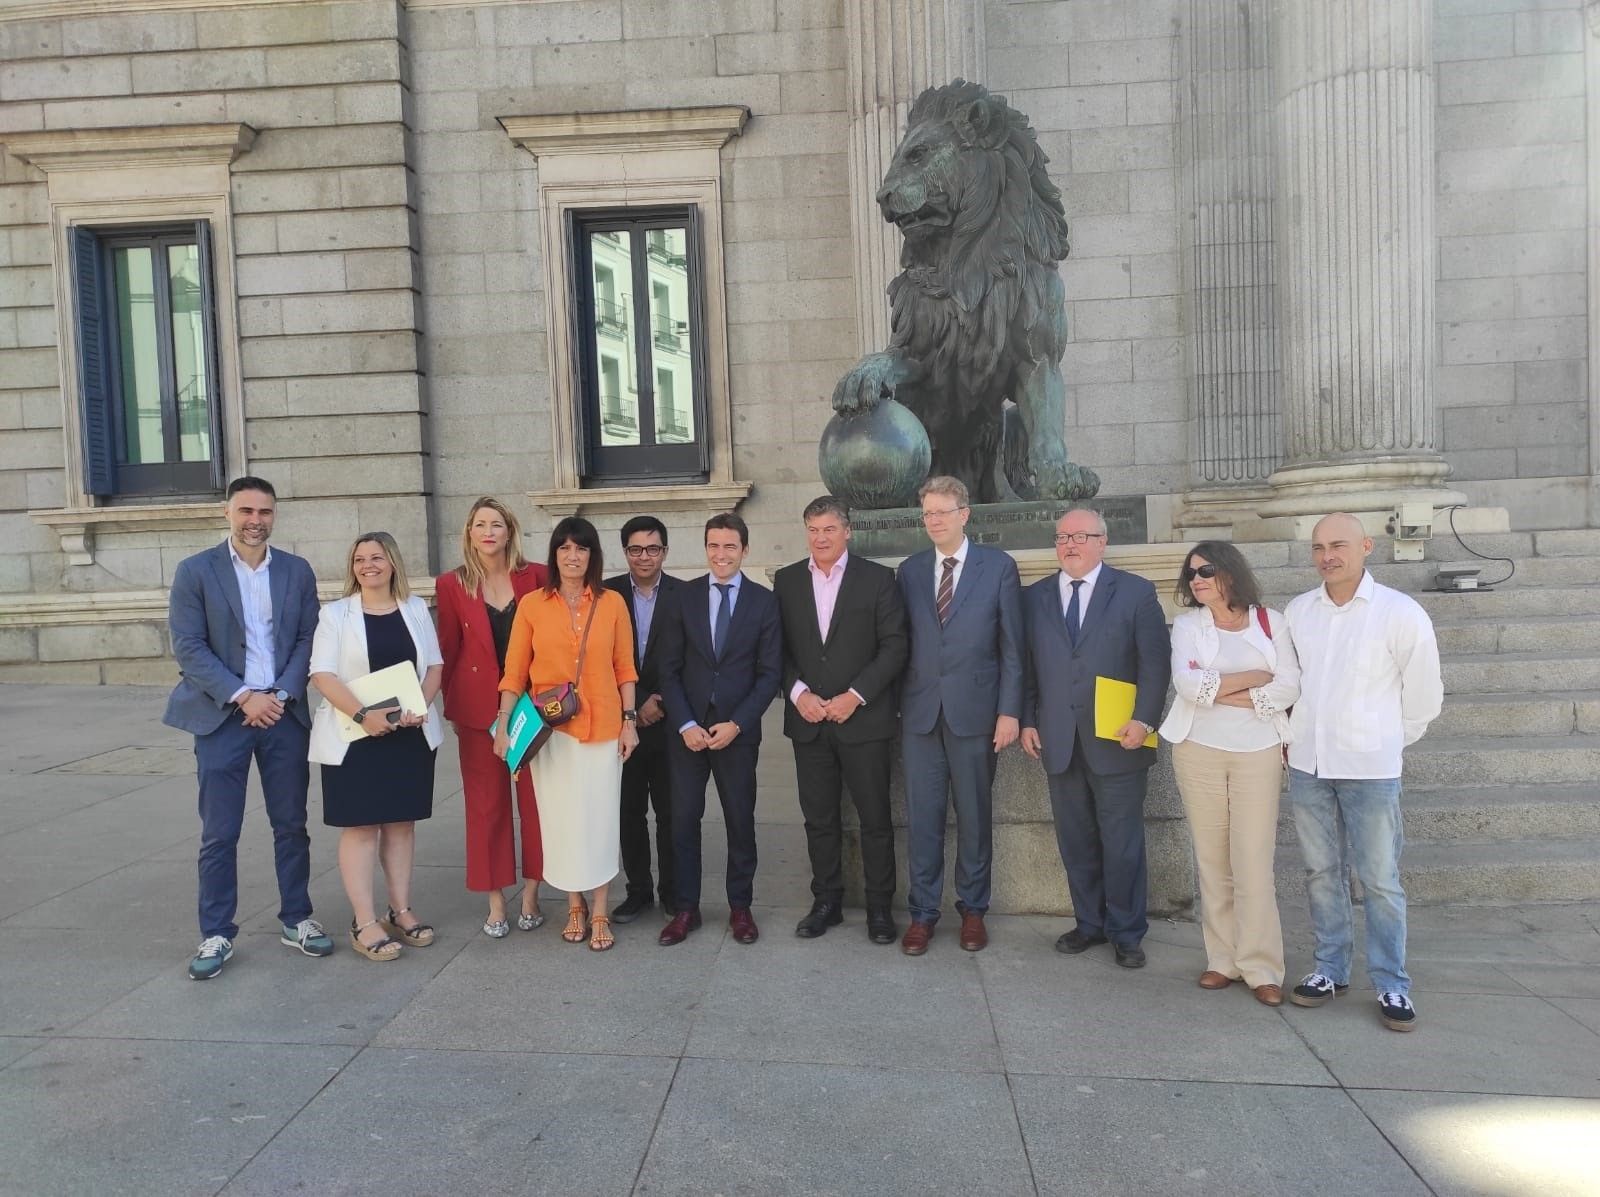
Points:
641	346
148	374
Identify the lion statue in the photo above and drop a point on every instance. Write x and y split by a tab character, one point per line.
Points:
978	321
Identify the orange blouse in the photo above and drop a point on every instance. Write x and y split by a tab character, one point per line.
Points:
544	653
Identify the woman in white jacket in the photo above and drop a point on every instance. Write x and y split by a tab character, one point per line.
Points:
1235	675
377	787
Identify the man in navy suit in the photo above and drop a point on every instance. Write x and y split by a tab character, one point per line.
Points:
652	596
1091	620
960	702
241	618
721	661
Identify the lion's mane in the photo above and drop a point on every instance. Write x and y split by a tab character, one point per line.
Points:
992	298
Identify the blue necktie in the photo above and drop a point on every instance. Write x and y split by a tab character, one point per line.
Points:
719	634
1074	616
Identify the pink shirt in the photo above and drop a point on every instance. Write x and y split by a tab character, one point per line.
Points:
825	592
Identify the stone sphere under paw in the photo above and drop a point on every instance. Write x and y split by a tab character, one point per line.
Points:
875	459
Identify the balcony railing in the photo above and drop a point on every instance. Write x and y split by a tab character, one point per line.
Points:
610	317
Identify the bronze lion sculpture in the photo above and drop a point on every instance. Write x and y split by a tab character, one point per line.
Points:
977	314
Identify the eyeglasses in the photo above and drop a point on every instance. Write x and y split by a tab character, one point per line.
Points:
1199	571
939	515
645	550
1078	537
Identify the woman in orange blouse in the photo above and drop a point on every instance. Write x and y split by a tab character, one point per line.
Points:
578	773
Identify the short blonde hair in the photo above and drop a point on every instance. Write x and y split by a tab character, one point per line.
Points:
943	484
399	588
470	573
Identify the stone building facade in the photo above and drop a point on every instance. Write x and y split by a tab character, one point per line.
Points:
1297	270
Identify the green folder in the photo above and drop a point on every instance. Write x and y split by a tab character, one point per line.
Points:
527	731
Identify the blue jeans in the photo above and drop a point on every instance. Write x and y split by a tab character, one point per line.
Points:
1342	823
223	763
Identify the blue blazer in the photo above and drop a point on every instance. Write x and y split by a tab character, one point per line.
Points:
971	667
205	616
1123	635
742	682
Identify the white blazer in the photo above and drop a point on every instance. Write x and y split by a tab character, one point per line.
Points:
340	648
1195	644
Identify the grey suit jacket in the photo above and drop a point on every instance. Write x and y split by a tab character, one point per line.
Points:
205	616
1123	635
971	667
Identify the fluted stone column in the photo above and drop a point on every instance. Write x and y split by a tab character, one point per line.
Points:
898	48
1354	125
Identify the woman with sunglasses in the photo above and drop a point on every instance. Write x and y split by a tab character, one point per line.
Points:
477	604
1235	675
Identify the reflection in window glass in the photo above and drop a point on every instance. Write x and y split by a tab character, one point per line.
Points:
667	265
190	365
613	339
140	361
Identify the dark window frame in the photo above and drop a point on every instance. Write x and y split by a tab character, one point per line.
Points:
599	464
103	412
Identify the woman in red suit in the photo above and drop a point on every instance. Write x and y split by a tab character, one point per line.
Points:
477	603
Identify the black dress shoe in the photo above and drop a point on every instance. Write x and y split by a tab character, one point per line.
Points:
632	906
1076	941
880	925
1129	955
821	916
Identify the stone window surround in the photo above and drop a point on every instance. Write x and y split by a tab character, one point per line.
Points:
645	158
137	176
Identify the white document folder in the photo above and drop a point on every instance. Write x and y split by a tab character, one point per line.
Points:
398	681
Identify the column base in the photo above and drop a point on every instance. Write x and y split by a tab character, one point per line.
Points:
1370	490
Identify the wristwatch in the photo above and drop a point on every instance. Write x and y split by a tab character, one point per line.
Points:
283	696
360	715
630	716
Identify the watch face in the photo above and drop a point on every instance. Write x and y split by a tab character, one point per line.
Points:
281	695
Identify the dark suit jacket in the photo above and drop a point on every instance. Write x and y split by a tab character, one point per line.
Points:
739	684
1123	635
971	667
668	592
471	669
205	615
864	650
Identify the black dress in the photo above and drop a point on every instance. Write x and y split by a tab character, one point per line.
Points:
384	779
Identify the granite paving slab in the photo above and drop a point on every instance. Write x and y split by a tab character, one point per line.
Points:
46	990
1466	1145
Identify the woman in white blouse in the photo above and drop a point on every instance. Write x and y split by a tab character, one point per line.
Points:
1236	676
377	787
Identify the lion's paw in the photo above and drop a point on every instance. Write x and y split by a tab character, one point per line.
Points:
1068	481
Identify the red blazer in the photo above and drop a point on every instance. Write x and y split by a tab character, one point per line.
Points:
471	672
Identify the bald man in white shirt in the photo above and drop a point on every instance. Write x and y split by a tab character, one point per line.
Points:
1370	685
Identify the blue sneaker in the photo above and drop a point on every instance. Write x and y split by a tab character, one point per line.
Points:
215	951
308	936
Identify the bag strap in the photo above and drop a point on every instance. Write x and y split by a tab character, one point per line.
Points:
583	645
1261	618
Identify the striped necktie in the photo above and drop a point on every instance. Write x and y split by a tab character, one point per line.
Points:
947	588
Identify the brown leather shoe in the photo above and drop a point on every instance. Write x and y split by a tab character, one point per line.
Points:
678	929
1211	979
743	925
974	935
915	940
1268	995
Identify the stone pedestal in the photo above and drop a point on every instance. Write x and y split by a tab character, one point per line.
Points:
897	49
1015	527
1355	236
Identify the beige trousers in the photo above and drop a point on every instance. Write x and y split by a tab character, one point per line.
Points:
1231	799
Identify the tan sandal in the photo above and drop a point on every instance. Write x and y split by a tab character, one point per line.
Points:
576	931
385	949
600	937
419	936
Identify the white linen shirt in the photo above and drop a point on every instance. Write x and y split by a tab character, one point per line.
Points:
255	599
1196	644
1369	681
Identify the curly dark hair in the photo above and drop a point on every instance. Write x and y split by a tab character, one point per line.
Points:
1234	576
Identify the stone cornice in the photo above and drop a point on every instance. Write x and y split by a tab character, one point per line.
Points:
643	129
97	149
36	10
703	496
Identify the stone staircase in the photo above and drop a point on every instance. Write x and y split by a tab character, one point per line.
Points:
1502	796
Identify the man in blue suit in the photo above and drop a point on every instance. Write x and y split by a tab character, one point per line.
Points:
960	702
241	618
1091	620
721	662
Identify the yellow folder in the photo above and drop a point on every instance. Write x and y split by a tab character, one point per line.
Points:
1113	707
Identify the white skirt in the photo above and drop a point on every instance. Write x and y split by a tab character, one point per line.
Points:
579	788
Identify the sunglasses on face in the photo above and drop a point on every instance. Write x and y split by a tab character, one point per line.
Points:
1199	571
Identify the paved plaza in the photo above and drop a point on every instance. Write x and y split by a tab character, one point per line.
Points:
831	1066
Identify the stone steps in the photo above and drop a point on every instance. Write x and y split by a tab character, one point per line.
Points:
1472	674
1504	872
1555	634
1566	813
1502	760
1517	713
